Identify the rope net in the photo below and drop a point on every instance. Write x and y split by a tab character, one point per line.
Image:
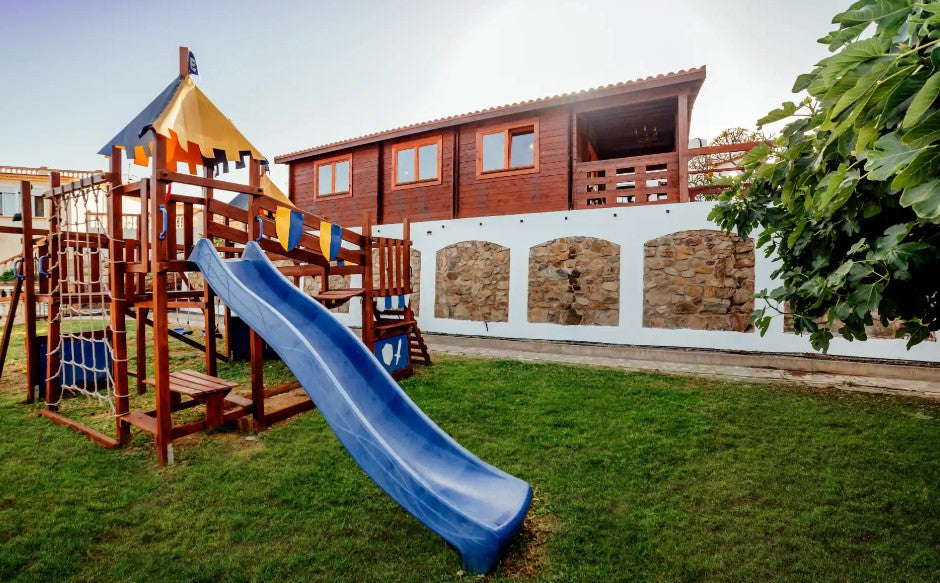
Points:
79	273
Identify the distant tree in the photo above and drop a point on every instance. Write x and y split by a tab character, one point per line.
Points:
712	163
849	197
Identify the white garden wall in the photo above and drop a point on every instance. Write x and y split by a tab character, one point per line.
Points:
630	228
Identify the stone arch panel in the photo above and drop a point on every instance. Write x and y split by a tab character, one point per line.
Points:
472	282
575	281
700	279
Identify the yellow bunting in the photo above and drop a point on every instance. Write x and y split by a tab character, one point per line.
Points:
282	225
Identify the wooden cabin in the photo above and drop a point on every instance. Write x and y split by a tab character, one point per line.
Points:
620	145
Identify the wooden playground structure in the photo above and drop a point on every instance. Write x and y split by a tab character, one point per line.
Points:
116	253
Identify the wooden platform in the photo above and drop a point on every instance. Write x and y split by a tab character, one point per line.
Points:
337	297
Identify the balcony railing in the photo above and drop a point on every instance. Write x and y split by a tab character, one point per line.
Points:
654	179
638	180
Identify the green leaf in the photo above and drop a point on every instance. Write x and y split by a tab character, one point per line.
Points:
865	137
833	68
836	278
866	297
757	154
868	12
802	82
840	185
923	99
837	38
859	245
904	91
787	109
924	199
923	133
902	256
863	85
920	169
892	237
888	157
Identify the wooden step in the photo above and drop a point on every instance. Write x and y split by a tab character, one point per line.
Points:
141	421
238	400
339	294
393	325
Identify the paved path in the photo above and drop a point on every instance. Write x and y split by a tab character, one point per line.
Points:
559	352
868	377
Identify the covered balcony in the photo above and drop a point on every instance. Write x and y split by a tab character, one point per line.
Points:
638	154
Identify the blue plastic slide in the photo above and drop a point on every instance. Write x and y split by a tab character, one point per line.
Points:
472	505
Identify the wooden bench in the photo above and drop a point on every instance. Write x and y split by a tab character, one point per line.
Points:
202	388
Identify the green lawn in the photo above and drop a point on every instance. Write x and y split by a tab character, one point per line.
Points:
637	477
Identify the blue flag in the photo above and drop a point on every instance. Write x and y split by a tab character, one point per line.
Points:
193	69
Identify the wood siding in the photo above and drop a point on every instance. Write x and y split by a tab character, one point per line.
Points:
545	190
462	193
345	210
421	202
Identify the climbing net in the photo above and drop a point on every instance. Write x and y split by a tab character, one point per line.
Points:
80	286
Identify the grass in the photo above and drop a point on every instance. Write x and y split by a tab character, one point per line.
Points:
637	477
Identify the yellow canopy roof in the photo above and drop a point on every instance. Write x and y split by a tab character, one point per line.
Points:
195	119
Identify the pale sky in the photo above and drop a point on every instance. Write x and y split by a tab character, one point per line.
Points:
296	74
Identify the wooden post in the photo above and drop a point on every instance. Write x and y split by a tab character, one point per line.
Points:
368	307
158	272
141	346
379	185
170	240
406	255
455	176
29	295
255	343
184	62
8	324
208	296
572	128
682	144
118	297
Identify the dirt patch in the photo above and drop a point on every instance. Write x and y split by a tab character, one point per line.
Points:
528	553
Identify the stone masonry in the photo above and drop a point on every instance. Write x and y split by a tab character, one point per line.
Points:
575	281
703	280
473	282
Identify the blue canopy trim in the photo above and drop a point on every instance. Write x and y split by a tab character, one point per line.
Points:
134	133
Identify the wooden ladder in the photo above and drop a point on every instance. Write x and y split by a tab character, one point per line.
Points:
418	349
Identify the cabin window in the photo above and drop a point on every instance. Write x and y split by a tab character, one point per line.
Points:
39	207
333	176
508	149
417	163
10	203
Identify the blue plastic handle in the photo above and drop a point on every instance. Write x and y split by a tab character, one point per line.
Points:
16	270
163	232
260	228
42	271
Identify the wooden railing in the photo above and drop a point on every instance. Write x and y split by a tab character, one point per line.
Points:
637	180
392	265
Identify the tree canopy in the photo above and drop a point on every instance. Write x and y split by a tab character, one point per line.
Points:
848	198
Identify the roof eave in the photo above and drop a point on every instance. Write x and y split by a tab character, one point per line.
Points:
693	77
